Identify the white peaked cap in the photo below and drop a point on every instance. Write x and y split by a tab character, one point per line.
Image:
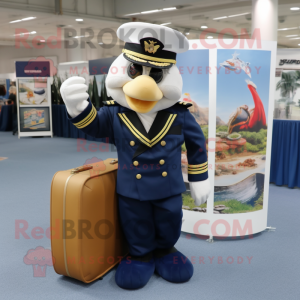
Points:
151	45
173	40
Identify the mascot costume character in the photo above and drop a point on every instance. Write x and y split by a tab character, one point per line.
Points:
148	124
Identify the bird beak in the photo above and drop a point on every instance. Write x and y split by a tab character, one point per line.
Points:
142	93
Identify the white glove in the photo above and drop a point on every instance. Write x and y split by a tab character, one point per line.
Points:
200	191
73	91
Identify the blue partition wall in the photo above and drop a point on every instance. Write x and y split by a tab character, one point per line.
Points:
285	155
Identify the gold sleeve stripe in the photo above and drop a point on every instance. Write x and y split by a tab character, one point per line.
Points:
83	120
88	122
198	166
88	119
197	172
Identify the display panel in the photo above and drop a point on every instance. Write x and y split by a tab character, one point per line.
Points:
240	117
33	91
192	66
242	103
34	119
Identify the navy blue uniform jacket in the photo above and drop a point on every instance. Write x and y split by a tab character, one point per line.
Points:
149	163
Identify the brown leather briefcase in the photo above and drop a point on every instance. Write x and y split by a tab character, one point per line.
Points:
86	238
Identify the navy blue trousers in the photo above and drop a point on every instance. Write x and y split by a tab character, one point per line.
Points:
150	225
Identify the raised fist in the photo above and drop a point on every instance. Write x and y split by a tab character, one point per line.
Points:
73	91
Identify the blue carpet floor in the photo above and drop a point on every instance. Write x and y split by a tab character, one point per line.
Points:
25	179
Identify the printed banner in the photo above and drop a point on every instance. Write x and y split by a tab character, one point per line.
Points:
32	68
192	67
243	82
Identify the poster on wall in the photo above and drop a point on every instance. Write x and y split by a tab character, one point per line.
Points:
241	139
192	66
233	103
33	91
287	94
34	119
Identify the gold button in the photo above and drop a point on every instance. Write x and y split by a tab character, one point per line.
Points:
163	143
132	143
161	161
136	163
138	176
164	174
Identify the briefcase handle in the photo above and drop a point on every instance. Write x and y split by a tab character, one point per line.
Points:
88	167
81	169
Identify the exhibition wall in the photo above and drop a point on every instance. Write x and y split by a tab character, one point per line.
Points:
10	54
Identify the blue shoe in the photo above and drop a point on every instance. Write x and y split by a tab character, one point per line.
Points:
172	265
134	272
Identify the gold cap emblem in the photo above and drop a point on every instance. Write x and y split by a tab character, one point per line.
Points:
151	48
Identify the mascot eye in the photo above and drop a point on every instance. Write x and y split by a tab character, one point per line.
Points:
134	70
156	74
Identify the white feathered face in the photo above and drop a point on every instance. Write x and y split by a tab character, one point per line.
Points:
143	89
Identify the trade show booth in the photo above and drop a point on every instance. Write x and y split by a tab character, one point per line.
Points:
286	129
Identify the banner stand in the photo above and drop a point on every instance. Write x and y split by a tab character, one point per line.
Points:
232	91
34	99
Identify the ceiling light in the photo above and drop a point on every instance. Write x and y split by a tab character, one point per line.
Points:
210	37
298	44
100	43
164	24
23	33
169	8
291	28
29	18
151	11
187	33
204	26
295	8
291	35
247	13
79	20
15	21
297	38
219	18
132	14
